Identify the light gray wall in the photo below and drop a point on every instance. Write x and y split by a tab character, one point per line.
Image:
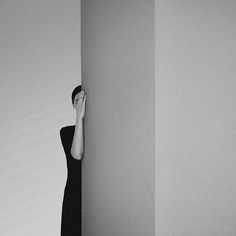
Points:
196	113
118	76
39	67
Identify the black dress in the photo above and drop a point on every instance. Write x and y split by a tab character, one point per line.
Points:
71	206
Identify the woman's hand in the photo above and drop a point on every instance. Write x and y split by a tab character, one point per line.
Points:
80	102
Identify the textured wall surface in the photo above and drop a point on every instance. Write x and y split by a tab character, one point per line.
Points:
39	66
196	113
118	76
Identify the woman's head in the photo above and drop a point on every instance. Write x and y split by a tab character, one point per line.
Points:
77	94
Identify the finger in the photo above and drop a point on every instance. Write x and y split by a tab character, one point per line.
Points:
84	100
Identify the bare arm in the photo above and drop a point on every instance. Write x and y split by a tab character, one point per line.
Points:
77	147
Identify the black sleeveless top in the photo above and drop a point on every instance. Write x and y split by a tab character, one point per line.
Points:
71	208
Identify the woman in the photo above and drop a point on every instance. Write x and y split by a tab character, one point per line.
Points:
72	139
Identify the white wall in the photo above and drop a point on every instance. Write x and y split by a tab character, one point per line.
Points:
196	113
118	76
39	67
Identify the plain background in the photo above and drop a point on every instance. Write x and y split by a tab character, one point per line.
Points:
195	115
118	75
39	67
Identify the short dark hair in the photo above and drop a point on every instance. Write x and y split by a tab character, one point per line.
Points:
75	91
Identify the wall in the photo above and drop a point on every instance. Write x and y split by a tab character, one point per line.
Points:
39	67
118	76
196	113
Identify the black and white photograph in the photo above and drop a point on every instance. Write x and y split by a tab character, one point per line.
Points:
118	118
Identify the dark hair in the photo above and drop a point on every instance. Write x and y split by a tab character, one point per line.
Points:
75	91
